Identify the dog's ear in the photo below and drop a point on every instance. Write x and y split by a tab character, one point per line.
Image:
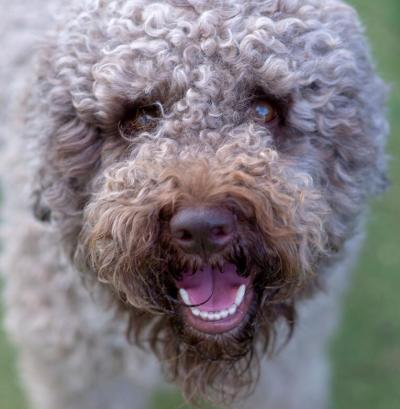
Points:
69	157
65	146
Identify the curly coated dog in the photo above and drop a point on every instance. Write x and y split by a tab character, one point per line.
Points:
186	197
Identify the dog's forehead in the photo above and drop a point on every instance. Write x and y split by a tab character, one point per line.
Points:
179	41
228	22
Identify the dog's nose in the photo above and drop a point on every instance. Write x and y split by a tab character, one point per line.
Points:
202	230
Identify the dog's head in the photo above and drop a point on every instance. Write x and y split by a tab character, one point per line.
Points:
207	159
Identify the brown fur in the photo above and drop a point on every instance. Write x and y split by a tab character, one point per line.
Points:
126	241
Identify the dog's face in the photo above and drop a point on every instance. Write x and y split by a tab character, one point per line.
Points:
208	160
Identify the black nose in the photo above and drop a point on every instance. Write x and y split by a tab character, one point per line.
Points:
202	230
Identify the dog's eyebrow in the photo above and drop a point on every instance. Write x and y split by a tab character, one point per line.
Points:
261	92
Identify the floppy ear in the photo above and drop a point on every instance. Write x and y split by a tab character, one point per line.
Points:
68	163
68	158
64	144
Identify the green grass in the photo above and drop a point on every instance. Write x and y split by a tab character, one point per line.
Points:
366	350
11	396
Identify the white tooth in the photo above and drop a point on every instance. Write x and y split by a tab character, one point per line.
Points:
224	313
204	315
217	316
240	294
185	296
195	312
211	316
232	309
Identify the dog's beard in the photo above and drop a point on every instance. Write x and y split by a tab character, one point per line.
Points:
125	243
220	367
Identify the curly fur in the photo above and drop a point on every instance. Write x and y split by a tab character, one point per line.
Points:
107	192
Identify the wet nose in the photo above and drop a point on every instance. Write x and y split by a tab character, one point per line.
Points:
201	230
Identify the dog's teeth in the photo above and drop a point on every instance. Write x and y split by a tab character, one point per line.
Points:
232	309
196	312
185	296
240	294
217	315
214	316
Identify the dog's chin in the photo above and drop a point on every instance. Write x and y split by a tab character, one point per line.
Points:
215	300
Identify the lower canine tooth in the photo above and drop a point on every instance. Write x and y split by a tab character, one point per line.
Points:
184	295
240	294
224	313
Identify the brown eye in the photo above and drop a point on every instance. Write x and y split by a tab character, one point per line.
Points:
140	120
264	111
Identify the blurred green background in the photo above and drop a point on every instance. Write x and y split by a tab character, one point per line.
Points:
366	350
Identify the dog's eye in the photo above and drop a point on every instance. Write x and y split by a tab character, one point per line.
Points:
264	111
140	119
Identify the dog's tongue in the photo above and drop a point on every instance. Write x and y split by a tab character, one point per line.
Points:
212	289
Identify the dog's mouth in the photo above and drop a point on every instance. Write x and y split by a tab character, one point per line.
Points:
215	300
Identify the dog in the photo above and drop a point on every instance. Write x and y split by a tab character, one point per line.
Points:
185	198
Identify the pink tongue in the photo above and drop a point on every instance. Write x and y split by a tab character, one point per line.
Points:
211	289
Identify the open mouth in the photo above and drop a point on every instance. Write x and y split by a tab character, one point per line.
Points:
216	300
